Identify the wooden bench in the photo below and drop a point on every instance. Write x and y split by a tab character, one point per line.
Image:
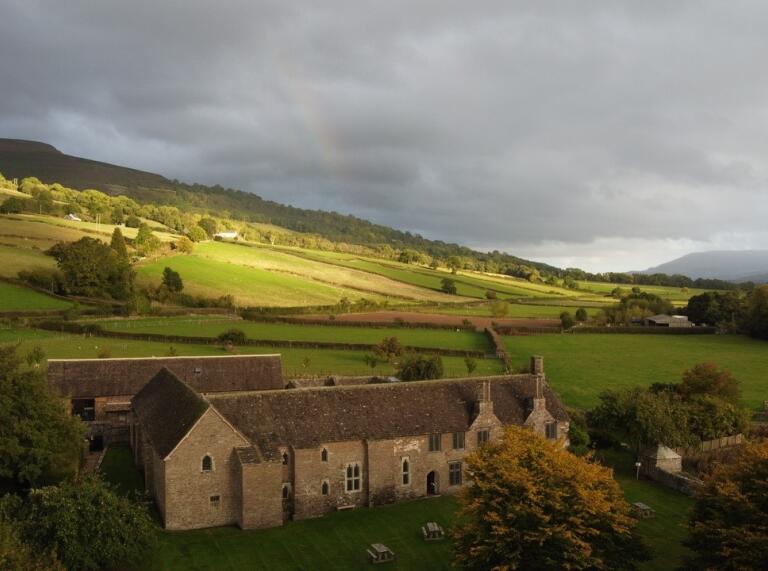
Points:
380	553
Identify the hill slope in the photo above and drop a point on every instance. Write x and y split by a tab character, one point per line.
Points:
735	265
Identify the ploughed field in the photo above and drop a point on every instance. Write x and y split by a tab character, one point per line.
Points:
579	367
212	327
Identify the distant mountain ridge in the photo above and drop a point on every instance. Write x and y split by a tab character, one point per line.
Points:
732	265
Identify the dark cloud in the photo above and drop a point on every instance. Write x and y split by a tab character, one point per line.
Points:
609	128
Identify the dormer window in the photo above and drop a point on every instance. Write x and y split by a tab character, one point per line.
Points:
207	464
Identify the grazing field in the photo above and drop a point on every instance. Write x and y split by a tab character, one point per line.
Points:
286	262
515	310
250	286
579	367
673	294
296	362
434	338
18	298
14	259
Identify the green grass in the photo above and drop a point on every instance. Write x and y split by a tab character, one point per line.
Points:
516	310
317	361
18	298
14	259
665	292
665	532
118	468
249	285
433	338
579	367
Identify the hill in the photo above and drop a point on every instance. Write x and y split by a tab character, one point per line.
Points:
733	265
19	159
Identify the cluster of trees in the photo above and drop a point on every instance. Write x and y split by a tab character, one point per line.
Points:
634	305
49	519
747	313
703	406
675	280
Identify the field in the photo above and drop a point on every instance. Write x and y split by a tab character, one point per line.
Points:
434	338
296	362
16	298
579	367
522	310
671	293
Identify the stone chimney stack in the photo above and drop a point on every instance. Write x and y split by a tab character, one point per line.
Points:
537	369
537	365
484	402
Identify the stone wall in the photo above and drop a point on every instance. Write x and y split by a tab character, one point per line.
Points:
259	495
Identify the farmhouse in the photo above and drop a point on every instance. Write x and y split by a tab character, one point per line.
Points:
668	321
232	449
226	235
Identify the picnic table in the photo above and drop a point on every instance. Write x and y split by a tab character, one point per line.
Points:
432	531
643	510
380	553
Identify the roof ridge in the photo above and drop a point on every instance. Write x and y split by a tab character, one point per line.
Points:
178	357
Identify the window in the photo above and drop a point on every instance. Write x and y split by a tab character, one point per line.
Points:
551	430
286	491
353	478
458	441
482	436
325	488
207	463
454	473
215	502
434	442
285	458
324	455
85	409
406	472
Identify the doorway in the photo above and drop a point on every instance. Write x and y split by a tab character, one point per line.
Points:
433	483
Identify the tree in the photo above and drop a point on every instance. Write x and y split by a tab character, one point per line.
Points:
454	264
389	349
39	442
132	221
581	315
209	225
707	379
566	320
470	364
172	280
117	216
88	524
13	205
17	555
728	528
118	244
146	242
499	308
233	336
371	360
415	367
197	234
534	505
184	245
91	268
490	294
448	286
757	313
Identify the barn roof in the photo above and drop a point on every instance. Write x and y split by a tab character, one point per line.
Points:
90	378
167	408
306	418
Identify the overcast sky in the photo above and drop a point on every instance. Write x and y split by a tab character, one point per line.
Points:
606	135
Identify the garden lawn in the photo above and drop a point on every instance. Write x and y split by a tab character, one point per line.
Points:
118	468
18	298
580	366
433	338
296	362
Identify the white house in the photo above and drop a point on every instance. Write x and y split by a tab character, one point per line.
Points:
228	235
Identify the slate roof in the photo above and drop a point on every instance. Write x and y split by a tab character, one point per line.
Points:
89	378
306	418
167	408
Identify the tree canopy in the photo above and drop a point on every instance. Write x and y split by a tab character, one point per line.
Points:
415	367
91	268
534	505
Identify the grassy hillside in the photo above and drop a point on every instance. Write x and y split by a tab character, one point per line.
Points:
16	298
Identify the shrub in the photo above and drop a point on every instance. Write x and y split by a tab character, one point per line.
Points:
581	315
234	336
448	286
132	221
566	321
13	205
416	367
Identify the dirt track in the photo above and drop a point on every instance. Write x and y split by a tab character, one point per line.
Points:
416	317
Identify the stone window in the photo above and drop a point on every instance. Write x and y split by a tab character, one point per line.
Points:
482	436
454	473
325	488
286	491
458	441
551	430
215	502
434	442
285	458
405	466
353	477
207	464
324	455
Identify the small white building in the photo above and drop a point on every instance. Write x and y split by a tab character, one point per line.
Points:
668	321
73	217
227	235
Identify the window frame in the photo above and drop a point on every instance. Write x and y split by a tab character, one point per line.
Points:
214	501
325	488
353	477
551	426
455	473
483	436
435	441
462	437
405	471
203	469
324	455
285	491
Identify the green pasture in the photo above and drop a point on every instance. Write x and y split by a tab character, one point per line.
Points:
14	259
289	263
434	338
671	293
580	366
18	298
296	362
250	286
517	310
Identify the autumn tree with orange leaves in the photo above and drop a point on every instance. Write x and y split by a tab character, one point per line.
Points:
534	505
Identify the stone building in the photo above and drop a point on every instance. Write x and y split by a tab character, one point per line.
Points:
257	458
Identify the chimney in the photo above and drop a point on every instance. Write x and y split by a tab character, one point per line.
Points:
537	365
484	402
537	369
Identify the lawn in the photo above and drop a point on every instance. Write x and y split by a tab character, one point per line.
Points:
249	285
18	298
433	338
296	362
118	468
579	367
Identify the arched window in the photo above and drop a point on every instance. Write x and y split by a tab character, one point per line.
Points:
324	489
285	458
406	472
286	491
324	455
207	463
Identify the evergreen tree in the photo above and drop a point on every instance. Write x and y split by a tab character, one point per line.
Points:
118	244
